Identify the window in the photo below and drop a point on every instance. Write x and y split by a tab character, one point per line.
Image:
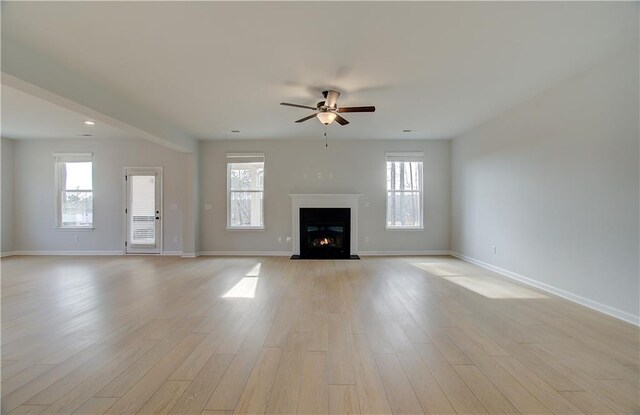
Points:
74	190
245	191
404	191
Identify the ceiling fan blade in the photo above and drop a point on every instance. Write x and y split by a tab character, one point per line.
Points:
297	106
357	109
331	98
341	120
306	118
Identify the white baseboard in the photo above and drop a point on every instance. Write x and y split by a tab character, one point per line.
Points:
287	253
402	253
8	253
96	253
171	253
244	253
189	254
594	305
84	253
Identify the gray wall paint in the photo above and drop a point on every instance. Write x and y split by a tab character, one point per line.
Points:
191	205
345	167
554	184
6	149
35	205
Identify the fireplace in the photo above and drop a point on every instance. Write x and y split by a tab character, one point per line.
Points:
325	206
325	233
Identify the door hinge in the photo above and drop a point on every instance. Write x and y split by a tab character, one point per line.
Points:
125	177
125	243
125	210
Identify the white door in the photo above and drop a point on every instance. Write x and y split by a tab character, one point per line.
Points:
143	210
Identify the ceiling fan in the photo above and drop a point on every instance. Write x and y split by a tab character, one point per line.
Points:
327	110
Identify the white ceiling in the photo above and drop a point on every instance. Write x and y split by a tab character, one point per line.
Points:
211	67
26	117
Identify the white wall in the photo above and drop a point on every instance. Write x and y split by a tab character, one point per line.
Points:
355	167
554	185
35	202
6	149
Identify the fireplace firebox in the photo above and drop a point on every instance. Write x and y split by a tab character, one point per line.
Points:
325	233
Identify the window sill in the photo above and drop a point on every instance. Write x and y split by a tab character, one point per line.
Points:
245	228
405	228
74	229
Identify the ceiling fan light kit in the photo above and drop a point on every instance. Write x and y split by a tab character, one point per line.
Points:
326	117
327	110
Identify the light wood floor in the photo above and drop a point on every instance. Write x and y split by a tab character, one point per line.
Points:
268	335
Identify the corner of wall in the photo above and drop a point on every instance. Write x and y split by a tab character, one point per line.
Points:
7	197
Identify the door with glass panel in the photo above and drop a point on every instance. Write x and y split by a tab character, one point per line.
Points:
143	210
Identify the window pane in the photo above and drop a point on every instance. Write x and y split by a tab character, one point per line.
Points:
403	209
77	176
143	210
246	176
404	175
77	208
246	209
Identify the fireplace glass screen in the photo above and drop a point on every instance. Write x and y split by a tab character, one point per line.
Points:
319	236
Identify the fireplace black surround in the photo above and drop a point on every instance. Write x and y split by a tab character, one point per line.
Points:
325	233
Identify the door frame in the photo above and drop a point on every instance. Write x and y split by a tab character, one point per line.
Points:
125	196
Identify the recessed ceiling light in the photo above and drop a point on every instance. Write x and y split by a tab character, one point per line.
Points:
85	135
235	131
407	131
89	122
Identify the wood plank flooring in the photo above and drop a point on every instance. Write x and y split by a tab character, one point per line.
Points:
433	335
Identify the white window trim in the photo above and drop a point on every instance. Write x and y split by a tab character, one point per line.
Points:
405	156
59	158
239	158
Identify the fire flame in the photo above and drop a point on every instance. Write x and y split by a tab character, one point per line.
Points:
325	241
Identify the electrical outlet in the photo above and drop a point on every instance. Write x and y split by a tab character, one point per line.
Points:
76	238
279	238
366	239
331	175
207	206
175	239
319	175
495	250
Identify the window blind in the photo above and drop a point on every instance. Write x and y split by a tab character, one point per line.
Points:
408	156
72	157
245	157
143	210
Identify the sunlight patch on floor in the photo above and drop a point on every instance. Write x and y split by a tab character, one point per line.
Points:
255	271
494	288
245	288
440	269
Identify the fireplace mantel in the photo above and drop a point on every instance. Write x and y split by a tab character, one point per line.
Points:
319	200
